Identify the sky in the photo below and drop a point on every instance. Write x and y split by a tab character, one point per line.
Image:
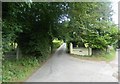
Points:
115	9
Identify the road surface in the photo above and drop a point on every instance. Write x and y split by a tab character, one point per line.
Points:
64	68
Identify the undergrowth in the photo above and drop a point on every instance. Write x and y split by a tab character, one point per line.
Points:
57	43
18	70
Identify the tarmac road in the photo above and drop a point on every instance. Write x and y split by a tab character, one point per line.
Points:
64	68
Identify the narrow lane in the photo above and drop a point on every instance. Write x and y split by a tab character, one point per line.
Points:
63	68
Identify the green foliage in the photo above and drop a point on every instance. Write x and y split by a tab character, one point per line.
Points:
91	23
33	26
18	70
57	43
38	24
36	44
9	34
101	56
117	45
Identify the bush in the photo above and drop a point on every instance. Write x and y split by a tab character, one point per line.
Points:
57	43
14	70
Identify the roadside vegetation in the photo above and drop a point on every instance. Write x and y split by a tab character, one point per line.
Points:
34	30
57	43
103	56
16	71
19	70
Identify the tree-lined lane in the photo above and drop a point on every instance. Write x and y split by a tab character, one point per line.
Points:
63	68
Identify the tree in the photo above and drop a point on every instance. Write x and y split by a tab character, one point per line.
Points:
91	23
38	25
33	26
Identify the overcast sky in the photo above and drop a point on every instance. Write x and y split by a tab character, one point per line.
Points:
115	8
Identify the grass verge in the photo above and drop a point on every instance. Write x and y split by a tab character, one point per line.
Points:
20	70
99	57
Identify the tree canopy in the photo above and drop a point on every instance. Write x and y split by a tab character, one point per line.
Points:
33	26
91	23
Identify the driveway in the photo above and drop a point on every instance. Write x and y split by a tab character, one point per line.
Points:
63	68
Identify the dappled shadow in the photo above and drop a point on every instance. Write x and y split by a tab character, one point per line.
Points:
60	52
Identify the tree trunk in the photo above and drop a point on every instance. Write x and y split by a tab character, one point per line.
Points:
17	53
51	43
51	47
